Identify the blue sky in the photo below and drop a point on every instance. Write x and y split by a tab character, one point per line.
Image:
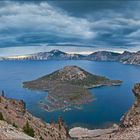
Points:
27	25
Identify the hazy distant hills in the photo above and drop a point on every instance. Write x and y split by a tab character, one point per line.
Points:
55	55
52	55
125	57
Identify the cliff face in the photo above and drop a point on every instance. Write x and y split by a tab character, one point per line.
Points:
134	58
129	127
132	117
14	112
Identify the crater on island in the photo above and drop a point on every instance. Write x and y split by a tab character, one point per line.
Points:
68	87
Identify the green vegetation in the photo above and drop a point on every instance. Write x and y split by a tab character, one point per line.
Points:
72	76
90	81
28	130
1	116
75	96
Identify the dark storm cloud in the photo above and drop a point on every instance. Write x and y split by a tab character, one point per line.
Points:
106	23
83	7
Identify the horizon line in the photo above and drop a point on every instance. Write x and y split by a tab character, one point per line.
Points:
69	52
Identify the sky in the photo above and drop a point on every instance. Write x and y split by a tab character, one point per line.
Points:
82	26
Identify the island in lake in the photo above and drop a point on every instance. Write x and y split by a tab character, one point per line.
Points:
68	87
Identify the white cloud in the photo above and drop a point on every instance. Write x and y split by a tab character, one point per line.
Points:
25	24
135	34
43	18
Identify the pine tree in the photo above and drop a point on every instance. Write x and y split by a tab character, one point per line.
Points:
1	116
28	130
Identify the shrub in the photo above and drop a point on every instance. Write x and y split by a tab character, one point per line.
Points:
15	125
41	138
1	116
28	130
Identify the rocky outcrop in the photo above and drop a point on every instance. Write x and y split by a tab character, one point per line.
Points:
132	117
72	73
15	113
86	134
124	56
131	58
9	132
128	129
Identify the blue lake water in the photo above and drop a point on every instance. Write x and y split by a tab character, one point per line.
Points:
110	102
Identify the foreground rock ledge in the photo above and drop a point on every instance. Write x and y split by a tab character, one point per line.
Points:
14	112
7	131
128	129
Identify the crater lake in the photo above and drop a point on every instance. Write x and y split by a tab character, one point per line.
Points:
109	104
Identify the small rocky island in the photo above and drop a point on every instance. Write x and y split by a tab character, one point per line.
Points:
68	87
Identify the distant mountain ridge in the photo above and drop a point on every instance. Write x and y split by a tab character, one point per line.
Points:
131	58
104	56
125	57
52	55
